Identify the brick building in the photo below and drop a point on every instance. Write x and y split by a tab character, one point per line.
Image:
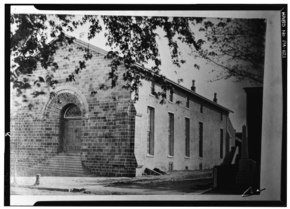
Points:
80	133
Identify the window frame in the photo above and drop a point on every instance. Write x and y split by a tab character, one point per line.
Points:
170	134
171	95
201	108
187	137
150	130
187	102
200	140
152	88
221	143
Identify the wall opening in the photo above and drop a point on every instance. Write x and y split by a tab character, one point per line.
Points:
71	128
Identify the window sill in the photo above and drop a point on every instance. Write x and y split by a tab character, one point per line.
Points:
150	156
185	157
170	156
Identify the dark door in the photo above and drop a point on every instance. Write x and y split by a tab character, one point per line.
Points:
72	135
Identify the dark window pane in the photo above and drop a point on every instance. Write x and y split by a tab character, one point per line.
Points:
171	134
150	134
187	137
200	139
221	143
152	88
187	101
171	96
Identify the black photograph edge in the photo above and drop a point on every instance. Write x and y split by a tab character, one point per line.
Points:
243	7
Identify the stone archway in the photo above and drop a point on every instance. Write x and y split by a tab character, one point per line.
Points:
76	96
66	112
64	117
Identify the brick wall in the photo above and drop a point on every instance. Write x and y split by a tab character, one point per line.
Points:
32	140
108	119
109	144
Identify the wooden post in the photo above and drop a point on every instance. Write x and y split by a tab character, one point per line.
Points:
37	180
247	167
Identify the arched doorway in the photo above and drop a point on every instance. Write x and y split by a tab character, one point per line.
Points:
71	129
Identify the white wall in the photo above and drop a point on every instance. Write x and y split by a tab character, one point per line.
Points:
210	118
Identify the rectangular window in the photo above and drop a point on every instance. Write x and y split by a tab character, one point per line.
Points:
150	134
187	137
171	135
221	116
221	143
171	96
200	139
152	87
201	108
187	101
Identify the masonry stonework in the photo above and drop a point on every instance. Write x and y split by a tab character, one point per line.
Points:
107	130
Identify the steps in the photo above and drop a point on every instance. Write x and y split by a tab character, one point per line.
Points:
63	164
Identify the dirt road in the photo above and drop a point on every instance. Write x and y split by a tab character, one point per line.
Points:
188	182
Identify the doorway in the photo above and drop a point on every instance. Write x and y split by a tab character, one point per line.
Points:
72	129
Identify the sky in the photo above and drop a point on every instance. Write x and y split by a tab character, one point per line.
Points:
230	93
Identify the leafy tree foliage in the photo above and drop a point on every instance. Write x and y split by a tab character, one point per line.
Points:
234	46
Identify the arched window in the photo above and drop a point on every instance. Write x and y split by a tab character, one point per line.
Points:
72	111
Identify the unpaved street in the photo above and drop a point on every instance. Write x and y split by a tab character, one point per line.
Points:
175	183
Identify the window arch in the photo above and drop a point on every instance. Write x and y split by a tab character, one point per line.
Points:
72	111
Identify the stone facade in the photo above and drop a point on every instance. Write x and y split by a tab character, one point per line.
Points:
113	129
107	130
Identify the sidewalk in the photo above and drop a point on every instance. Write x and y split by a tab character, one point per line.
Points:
164	184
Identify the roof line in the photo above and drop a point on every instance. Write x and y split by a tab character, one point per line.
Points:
190	91
104	52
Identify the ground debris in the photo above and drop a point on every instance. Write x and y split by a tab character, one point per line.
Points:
159	171
77	190
148	171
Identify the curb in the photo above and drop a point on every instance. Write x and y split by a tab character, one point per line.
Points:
46	188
